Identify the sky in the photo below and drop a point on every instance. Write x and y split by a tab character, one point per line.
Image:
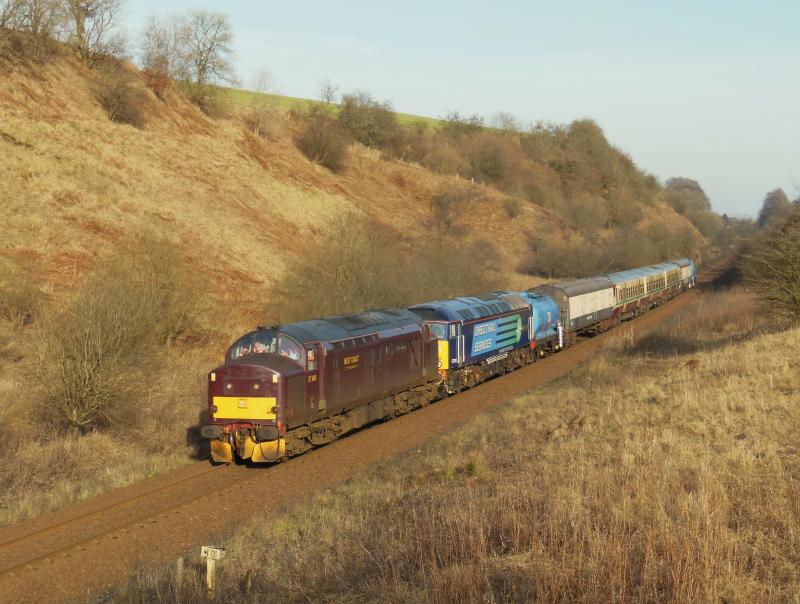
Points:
706	89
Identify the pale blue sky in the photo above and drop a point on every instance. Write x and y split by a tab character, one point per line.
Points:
705	89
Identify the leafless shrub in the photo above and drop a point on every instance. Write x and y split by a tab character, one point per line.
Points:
513	208
448	208
456	125
324	140
91	355
175	288
118	94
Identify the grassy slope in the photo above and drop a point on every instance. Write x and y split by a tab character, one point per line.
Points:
73	185
663	470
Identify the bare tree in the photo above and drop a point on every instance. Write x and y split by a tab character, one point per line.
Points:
95	30
159	53
42	18
10	13
328	91
262	80
257	114
775	209
503	120
205	42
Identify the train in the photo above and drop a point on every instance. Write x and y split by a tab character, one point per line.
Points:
285	389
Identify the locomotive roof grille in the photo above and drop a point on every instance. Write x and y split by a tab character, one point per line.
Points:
471	307
343	327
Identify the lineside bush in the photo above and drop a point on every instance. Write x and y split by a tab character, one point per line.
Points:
324	140
359	265
119	96
91	355
772	266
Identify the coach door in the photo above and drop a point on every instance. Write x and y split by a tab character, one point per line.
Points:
315	368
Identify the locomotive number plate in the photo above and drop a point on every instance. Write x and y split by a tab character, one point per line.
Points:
242	403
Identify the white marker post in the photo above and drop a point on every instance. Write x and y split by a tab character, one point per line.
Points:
211	554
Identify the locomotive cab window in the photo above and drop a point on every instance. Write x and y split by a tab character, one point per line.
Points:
438	330
257	342
290	349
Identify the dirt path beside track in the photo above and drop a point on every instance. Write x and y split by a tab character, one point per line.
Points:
79	552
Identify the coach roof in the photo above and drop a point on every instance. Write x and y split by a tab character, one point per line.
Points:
577	286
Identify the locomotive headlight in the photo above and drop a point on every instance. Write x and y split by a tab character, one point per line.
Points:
213	377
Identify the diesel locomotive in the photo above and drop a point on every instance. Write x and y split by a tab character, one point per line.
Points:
285	389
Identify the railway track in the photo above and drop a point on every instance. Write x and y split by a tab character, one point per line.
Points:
101	542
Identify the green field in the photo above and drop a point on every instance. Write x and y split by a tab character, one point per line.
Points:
240	97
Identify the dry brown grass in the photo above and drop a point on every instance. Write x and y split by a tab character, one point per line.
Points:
637	478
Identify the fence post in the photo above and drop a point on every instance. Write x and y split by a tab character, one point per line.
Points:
179	572
211	554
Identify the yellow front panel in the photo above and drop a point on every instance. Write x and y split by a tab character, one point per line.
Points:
244	407
444	354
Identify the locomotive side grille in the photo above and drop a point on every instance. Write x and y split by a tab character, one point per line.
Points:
295	395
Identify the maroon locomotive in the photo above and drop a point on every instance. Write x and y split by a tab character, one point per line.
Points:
287	388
